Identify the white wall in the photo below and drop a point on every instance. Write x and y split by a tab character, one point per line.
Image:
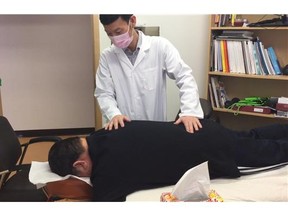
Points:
46	66
189	34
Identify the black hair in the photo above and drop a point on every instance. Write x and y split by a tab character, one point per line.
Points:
63	154
107	19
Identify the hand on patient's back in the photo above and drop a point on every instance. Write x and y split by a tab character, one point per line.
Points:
116	122
191	123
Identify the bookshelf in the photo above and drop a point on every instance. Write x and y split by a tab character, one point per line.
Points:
245	83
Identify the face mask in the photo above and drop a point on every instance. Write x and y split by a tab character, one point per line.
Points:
122	41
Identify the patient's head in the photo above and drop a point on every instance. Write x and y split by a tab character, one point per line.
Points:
70	156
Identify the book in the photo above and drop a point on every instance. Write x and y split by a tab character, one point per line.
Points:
241	64
261	56
233	32
266	60
283	100
212	66
226	57
282	104
211	95
236	35
220	66
274	60
233	19
216	19
282	107
246	56
231	56
257	60
255	109
283	114
223	57
252	58
223	21
269	64
215	55
222	93
214	84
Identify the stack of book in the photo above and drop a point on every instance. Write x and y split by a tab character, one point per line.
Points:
217	92
230	35
282	107
239	52
221	20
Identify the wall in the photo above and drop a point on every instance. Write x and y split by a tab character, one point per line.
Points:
189	34
47	71
47	66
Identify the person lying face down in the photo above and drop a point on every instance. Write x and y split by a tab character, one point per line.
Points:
149	154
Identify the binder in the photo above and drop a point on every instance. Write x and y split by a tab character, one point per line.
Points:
274	60
261	57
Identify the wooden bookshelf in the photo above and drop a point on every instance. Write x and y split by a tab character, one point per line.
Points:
1	110
243	84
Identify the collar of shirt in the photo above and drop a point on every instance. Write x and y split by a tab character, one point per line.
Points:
132	55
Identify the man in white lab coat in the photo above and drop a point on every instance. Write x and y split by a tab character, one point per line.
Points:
131	78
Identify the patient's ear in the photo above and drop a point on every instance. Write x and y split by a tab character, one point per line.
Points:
80	166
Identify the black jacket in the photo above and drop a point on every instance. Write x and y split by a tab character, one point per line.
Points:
146	154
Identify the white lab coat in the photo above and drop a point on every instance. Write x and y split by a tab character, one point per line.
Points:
139	91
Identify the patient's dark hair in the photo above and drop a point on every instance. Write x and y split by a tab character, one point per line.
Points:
107	19
63	154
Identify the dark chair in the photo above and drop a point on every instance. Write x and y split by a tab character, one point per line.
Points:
14	175
206	107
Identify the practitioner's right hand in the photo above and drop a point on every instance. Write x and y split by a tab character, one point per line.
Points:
116	120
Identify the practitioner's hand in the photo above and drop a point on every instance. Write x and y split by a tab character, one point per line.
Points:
191	123
115	121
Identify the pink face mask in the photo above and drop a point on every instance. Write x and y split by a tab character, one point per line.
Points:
122	41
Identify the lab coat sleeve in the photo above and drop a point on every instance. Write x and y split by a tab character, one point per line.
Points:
104	91
178	70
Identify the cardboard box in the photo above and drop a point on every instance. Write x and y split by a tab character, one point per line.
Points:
213	197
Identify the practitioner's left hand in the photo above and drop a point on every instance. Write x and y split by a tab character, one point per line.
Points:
191	123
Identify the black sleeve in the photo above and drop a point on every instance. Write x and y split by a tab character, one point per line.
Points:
111	189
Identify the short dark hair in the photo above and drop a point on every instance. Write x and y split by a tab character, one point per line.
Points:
63	154
107	19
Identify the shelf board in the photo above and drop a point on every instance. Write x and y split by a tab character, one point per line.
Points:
246	113
250	28
267	77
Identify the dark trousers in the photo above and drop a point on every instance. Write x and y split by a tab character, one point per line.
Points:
263	146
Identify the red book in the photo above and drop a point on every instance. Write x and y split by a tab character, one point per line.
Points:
226	57
255	109
282	107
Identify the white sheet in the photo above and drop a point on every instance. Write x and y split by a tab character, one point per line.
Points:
265	186
40	174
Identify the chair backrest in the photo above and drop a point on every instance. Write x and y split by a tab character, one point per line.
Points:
10	147
206	107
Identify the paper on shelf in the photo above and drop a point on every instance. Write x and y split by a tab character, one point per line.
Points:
194	185
283	100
